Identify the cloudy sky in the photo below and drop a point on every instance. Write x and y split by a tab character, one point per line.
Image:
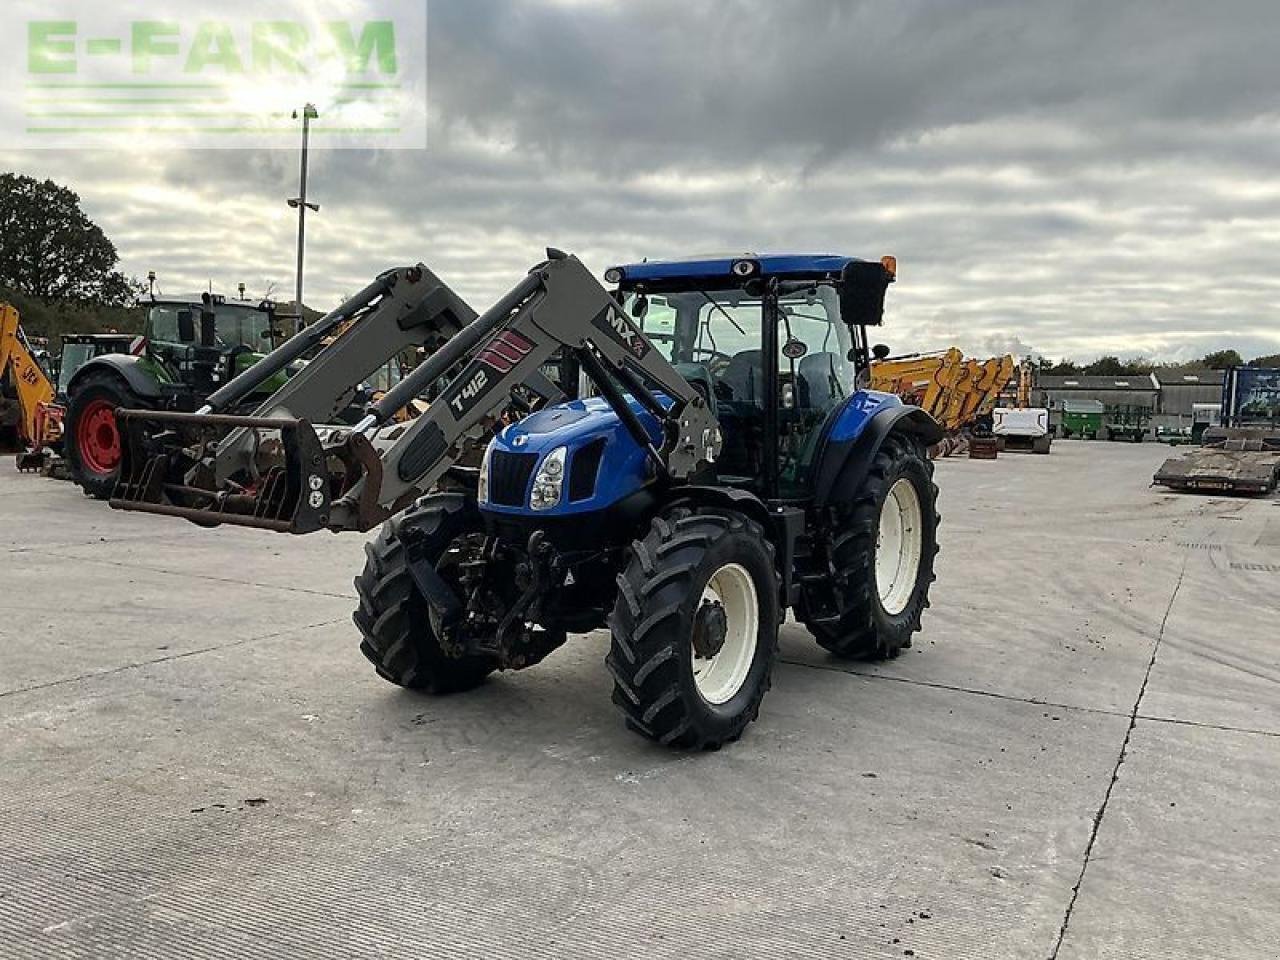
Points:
1072	178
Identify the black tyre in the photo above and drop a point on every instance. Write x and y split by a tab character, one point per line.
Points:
695	629
394	619
880	551
92	441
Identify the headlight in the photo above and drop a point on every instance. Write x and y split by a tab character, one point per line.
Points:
548	481
482	488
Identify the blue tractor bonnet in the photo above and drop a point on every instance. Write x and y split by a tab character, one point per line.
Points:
603	464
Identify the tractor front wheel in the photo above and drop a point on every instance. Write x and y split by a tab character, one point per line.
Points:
394	619
92	440
881	545
695	629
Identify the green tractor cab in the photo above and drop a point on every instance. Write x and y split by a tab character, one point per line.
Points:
189	348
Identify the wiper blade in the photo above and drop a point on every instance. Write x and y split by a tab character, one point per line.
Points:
723	311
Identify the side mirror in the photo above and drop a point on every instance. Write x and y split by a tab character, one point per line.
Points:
208	333
880	351
862	287
640	306
186	326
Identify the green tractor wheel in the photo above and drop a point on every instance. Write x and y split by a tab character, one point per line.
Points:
92	439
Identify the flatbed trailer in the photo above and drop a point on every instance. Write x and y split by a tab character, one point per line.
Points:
1242	455
1245	462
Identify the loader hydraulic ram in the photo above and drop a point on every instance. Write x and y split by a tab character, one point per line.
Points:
725	466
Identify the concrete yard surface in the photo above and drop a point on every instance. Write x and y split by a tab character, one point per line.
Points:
1077	759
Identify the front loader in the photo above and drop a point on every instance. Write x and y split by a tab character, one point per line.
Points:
723	465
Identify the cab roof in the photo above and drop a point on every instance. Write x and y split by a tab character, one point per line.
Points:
195	298
718	268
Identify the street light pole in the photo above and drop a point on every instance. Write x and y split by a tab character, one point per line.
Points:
300	203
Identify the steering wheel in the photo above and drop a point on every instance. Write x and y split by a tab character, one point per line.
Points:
715	360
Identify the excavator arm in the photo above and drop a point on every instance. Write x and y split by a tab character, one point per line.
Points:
30	412
354	478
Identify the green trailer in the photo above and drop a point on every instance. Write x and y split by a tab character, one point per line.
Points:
1082	418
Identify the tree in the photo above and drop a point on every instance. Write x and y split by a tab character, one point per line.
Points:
1106	367
1270	360
1221	359
49	248
1064	368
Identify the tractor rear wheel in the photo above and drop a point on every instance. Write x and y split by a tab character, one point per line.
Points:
393	617
695	629
881	547
92	441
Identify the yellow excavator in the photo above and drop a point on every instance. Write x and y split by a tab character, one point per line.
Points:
954	391
29	419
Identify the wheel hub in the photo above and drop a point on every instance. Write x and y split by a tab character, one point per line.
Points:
726	629
710	628
99	439
899	546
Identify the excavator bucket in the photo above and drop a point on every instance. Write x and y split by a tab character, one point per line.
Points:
164	454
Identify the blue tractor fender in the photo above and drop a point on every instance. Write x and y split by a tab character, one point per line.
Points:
695	495
857	433
124	365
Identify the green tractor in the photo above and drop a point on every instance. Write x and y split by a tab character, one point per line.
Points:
189	347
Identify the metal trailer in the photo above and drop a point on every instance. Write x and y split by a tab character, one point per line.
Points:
1126	421
1242	454
1082	418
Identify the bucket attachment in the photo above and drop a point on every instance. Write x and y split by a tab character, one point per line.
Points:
167	467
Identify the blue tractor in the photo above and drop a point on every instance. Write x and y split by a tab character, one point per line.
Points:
720	463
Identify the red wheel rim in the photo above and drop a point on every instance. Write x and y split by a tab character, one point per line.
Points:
97	439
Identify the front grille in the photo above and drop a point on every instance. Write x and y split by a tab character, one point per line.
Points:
509	475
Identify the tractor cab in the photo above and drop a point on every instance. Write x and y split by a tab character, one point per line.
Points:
206	340
774	343
190	347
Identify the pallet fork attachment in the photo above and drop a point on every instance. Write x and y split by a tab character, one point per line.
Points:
275	471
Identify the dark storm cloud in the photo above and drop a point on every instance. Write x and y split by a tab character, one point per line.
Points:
1065	177
678	81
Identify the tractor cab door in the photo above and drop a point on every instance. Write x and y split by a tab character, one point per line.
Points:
816	377
714	340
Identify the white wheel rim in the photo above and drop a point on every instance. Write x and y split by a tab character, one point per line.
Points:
720	677
898	546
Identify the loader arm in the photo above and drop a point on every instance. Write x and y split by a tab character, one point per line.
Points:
354	478
407	307
558	305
